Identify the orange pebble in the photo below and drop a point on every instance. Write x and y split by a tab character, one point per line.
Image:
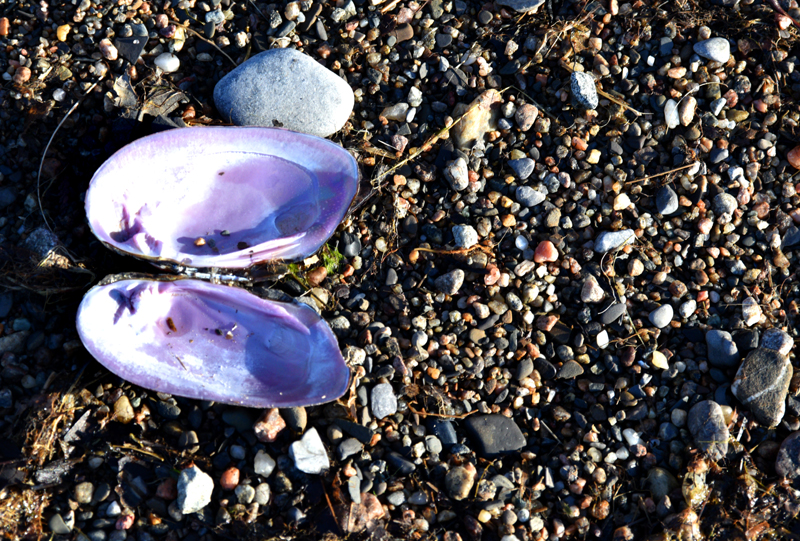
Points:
230	478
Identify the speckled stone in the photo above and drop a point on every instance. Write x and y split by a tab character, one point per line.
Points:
584	89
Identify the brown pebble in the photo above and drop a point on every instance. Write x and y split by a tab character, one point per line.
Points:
316	276
168	489
229	479
4	24
123	411
22	75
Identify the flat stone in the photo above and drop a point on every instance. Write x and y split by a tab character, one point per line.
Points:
591	292
383	400
530	197
722	350
613	240
613	313
348	448
715	49
481	117
762	383
707	426
522	6
309	453
661	316
444	430
666	201
584	90
545	368
450	282
194	490
283	87
495	434
787	463
570	370
751	311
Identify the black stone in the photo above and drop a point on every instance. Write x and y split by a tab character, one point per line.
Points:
545	368
131	48
495	435
444	430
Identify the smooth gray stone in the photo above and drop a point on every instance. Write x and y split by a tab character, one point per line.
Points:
716	49
722	350
762	383
707	426
666	201
495	434
285	88
522	6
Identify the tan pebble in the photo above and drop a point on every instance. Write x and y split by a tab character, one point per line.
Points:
622	201
593	157
659	360
108	50
635	267
229	479
62	32
316	276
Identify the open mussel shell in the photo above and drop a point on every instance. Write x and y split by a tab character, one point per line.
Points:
225	197
212	342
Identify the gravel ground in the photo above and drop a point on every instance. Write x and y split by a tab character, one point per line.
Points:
571	315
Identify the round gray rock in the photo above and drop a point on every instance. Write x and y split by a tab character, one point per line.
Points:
716	49
724	203
661	316
285	88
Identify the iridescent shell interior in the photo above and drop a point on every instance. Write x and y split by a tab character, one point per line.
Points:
212	342
222	196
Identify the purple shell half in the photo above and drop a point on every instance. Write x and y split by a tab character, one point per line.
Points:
212	342
252	195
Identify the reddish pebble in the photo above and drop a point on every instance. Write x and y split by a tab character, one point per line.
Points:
229	479
794	157
783	21
269	425
546	323
125	522
4	24
546	251
168	489
22	75
704	226
316	276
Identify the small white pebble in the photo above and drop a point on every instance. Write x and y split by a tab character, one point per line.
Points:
167	62
59	94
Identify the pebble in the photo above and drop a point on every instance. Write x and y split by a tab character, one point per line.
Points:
309	453
286	88
167	62
523	6
762	383
724	203
495	434
709	429
526	115
671	115
269	425
666	201
450	282
751	311
613	240
229	478
62	32
686	110
591	292
715	49
383	401
777	340
545	252
263	464
194	490
523	168
529	197
460	480
57	523
722	350
793	157
481	116
787	463
123	411
465	236
84	492
661	316
584	89
457	174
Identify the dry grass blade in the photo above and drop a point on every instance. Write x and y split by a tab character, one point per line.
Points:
21	513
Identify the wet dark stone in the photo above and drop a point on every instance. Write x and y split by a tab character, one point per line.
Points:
351	244
403	466
545	368
444	430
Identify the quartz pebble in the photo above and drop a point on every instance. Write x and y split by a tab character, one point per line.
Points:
383	400
194	490
167	62
613	240
309	453
584	89
465	236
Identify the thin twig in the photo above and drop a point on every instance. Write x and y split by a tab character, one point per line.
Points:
661	174
47	147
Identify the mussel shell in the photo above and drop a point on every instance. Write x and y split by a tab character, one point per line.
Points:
212	342
224	197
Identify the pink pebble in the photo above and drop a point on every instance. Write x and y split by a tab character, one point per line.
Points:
124	522
545	252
